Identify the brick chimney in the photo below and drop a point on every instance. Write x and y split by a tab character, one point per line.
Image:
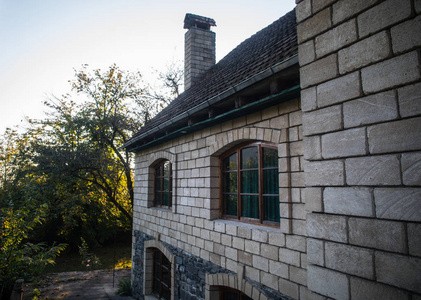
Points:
199	47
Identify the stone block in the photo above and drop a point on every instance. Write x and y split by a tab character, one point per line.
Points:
327	282
289	288
410	100
344	9
306	52
261	263
252	247
392	72
324	173
402	135
319	71
307	294
277	239
312	148
364	289
269	280
259	235
414	239
346	143
322	120
371	109
367	51
245	258
383	15
378	234
398	203
352	201
398	270
303	10
298	275
338	90
289	257
327	227
411	168
373	170
315	252
349	259
295	242
313	199
406	35
279	269
308	99
314	25
269	251
318	5
336	38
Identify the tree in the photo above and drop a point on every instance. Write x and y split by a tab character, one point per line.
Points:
83	141
168	86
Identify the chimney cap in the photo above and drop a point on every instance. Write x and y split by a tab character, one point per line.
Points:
192	20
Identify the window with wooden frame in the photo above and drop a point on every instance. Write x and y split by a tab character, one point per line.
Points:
250	184
163	184
161	278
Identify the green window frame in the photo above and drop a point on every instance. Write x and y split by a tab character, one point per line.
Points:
250	184
161	275
163	184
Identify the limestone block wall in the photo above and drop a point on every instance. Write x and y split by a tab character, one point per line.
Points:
264	260
361	102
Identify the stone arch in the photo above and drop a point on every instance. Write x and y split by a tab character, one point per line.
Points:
150	246
215	281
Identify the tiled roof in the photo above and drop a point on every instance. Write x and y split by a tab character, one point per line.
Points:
264	49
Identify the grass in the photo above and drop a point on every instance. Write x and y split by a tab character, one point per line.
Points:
111	257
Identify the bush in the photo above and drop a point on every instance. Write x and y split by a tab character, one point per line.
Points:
124	288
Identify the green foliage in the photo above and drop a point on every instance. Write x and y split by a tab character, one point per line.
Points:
66	176
18	257
36	294
124	287
89	260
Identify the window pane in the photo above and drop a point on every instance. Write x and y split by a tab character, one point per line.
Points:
166	186
230	163
271	208
249	158
271	181
230	205
230	182
165	199
166	168
270	158
250	182
250	206
158	199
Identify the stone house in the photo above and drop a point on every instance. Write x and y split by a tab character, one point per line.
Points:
292	167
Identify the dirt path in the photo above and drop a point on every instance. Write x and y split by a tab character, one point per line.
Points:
100	284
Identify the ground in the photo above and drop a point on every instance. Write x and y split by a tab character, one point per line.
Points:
99	284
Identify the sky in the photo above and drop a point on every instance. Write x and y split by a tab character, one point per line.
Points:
42	42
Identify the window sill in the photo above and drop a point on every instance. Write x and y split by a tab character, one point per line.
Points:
248	225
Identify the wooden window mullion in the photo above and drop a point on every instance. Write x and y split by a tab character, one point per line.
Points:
239	202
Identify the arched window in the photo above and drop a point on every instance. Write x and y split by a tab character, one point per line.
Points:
163	184
250	184
161	275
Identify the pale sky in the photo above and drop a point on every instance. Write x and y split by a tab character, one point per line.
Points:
43	41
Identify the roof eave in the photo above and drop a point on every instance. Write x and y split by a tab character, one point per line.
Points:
275	69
